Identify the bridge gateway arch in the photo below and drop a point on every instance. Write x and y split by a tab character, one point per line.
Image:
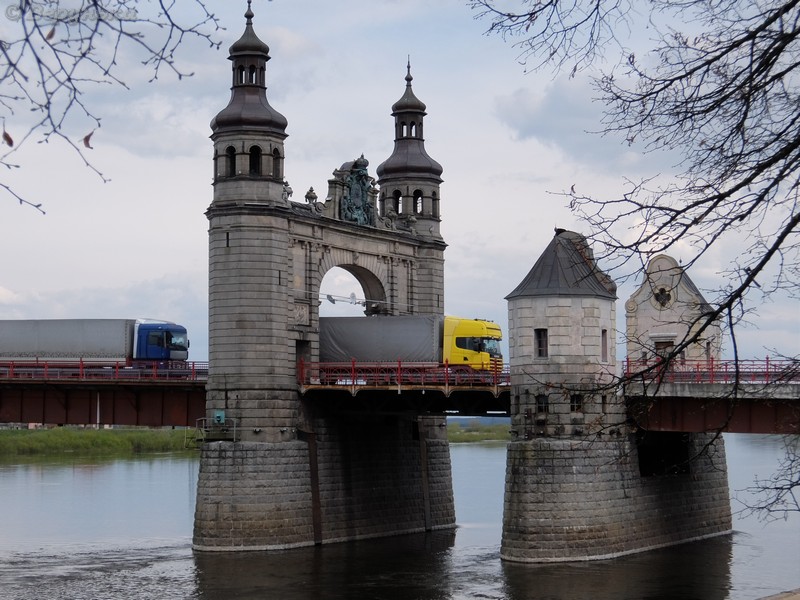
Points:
282	469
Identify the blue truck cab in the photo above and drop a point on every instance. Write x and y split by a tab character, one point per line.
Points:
160	341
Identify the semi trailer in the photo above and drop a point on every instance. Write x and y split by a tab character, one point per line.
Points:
415	338
128	341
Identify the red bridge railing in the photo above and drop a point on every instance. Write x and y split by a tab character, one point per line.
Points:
119	371
715	371
398	374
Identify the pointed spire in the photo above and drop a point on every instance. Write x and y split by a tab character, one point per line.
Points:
409	102
248	107
249	42
409	158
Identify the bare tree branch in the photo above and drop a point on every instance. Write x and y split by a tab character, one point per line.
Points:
776	496
55	54
720	85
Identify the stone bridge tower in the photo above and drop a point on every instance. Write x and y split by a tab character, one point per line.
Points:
283	471
581	483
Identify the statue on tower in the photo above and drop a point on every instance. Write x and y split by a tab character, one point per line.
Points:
356	206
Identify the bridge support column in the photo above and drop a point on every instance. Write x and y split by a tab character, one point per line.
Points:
580	499
372	476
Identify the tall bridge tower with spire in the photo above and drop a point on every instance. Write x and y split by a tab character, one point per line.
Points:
279	471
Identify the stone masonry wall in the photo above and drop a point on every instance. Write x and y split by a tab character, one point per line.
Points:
571	500
253	495
382	475
377	476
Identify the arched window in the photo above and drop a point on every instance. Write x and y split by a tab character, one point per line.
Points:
252	74
276	164
255	160
230	161
240	75
412	130
397	202
403	130
417	202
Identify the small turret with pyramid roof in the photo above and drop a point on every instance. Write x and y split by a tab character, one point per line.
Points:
561	341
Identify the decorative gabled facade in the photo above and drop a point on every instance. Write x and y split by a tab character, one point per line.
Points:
665	312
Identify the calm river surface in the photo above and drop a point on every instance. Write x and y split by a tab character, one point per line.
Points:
121	529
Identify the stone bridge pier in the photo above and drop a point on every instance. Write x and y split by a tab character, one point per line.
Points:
580	483
277	471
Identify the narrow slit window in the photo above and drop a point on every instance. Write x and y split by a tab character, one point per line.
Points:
230	161
276	164
255	160
540	342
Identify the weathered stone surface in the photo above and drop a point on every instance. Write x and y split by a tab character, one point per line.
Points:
574	489
579	500
376	477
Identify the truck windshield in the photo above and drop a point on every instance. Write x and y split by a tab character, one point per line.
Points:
176	340
492	346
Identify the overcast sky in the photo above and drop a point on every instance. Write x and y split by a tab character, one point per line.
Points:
509	142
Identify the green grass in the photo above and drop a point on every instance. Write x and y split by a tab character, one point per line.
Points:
475	432
23	442
58	440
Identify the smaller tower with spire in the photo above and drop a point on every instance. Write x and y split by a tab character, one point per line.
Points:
248	134
409	179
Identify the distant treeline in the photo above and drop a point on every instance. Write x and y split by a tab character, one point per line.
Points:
475	431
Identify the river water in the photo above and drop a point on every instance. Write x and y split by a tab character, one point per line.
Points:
121	529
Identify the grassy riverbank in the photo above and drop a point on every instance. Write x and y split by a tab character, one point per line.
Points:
23	442
477	432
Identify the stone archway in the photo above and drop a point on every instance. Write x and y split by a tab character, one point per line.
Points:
371	299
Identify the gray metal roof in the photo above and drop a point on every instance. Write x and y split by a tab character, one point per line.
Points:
249	43
566	268
248	108
409	157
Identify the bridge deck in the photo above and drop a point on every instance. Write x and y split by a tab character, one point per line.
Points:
758	396
87	393
698	396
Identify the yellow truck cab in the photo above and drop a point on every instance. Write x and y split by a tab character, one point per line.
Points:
472	342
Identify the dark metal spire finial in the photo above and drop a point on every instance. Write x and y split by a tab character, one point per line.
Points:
249	14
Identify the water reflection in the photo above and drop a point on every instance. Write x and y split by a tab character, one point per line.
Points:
121	529
411	566
430	567
698	571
